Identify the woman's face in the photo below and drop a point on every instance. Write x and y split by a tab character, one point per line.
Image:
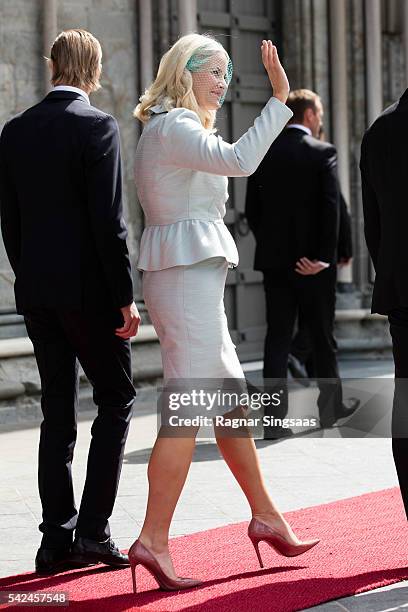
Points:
209	84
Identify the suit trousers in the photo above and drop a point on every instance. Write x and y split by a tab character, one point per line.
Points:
61	338
398	319
311	298
301	347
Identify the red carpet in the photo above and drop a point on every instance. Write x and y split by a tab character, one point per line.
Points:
364	545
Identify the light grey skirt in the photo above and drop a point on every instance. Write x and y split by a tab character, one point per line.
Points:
186	307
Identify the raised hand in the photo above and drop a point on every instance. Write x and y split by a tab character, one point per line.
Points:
274	68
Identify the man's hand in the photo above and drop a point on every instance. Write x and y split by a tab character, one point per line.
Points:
306	267
131	319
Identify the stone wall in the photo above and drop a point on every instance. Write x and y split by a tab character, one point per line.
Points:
307	58
20	86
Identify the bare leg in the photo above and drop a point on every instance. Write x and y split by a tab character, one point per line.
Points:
167	472
241	457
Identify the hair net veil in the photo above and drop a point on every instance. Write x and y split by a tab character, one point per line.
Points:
208	62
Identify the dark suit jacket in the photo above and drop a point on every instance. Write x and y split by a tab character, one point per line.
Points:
384	167
292	202
61	206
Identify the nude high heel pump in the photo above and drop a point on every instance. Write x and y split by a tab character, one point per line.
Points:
259	532
140	555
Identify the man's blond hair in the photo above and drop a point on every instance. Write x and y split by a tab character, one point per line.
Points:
76	60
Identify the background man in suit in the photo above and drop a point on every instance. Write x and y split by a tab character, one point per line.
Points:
62	226
300	361
384	162
292	206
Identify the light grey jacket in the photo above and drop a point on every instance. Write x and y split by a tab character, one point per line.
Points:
181	182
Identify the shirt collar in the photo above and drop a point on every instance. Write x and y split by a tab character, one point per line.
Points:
299	126
157	109
74	89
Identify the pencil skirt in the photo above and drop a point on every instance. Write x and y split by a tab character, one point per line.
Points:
186	307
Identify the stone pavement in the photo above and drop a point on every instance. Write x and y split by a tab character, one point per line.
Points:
301	471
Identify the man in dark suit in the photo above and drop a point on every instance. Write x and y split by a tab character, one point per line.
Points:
384	162
292	207
300	362
64	233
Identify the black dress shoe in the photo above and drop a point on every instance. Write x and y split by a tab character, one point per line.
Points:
276	433
298	371
51	561
85	550
348	407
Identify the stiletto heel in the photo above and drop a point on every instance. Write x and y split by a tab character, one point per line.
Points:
140	555
259	532
133	570
256	546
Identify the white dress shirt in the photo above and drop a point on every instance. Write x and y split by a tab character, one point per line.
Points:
181	179
300	126
74	89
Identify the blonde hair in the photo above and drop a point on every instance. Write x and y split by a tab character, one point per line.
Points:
173	85
76	60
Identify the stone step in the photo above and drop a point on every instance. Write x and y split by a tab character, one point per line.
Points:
21	347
